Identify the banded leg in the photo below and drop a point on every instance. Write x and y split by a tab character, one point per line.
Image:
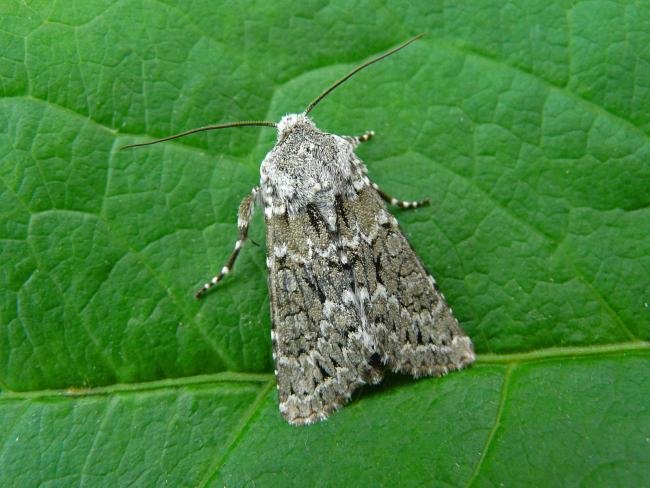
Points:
244	214
399	203
365	137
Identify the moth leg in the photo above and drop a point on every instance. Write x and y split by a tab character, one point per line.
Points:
356	140
244	214
399	203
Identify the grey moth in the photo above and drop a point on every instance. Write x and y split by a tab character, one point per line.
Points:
350	299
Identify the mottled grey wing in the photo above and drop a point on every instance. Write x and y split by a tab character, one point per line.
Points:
349	299
322	351
408	315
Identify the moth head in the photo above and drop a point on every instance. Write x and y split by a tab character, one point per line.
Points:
291	122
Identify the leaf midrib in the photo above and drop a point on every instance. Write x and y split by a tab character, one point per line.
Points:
238	377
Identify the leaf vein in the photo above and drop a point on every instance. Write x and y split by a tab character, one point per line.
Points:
237	433
497	424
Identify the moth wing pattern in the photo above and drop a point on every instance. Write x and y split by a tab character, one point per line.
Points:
320	352
408	314
350	299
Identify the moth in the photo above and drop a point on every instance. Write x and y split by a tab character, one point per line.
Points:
349	297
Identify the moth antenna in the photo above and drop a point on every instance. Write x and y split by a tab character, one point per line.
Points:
356	70
263	123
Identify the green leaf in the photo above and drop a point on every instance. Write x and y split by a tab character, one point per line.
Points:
527	124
